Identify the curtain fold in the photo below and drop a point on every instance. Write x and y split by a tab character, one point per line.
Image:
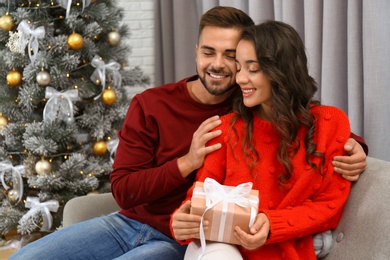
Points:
347	43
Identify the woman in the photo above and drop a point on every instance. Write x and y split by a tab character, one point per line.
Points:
282	141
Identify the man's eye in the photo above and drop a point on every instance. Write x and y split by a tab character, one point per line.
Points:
231	57
207	54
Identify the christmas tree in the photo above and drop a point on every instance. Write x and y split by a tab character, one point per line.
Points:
64	92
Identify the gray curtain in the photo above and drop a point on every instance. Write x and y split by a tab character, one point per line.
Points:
347	42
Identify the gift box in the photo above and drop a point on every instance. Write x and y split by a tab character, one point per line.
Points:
225	207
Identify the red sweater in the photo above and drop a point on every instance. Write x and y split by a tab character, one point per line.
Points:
158	129
311	203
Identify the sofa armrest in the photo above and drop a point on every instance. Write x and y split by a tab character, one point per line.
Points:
364	229
89	206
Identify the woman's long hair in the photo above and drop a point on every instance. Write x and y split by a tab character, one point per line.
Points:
281	55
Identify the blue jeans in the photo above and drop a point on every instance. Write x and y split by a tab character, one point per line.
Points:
108	237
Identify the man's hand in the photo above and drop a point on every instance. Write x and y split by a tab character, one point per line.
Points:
198	150
353	164
258	233
184	225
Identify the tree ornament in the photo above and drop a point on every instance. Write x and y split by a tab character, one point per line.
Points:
43	78
75	41
14	78
13	196
109	96
6	22
99	147
3	121
43	166
113	38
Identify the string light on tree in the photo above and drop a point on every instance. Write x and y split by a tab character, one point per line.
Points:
75	41
108	96
7	22
99	147
14	78
43	166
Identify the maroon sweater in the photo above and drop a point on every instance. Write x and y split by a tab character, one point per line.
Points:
158	129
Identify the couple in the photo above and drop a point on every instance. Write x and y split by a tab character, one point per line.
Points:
165	138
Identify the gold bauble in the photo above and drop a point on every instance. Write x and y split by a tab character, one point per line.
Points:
43	167
3	122
108	96
75	41
99	147
7	23
43	78
14	78
94	192
113	38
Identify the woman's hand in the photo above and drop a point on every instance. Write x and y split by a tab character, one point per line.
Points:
258	233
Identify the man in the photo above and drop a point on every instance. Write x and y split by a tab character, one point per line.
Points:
156	159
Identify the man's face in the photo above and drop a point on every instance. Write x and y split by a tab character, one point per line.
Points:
215	58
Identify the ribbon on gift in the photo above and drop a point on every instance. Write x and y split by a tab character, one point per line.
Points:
100	72
46	207
111	147
68	3
54	99
17	180
34	35
216	193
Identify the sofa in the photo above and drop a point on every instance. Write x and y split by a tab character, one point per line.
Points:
363	232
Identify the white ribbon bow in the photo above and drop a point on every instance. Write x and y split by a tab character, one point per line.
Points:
34	35
50	111
68	3
216	193
100	72
34	205
16	177
111	147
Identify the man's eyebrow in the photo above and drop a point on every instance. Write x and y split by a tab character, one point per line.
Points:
213	49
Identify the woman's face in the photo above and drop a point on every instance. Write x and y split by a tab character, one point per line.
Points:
254	84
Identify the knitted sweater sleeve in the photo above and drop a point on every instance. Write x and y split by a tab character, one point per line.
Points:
317	202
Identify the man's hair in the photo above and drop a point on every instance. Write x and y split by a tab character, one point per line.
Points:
225	17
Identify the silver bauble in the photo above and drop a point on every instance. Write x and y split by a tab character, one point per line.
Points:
43	167
113	38
43	78
13	196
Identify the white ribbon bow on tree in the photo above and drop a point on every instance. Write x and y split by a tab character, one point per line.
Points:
33	35
100	72
111	147
45	207
17	180
68	3
55	100
216	193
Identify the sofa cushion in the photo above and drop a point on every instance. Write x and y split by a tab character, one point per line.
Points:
364	229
